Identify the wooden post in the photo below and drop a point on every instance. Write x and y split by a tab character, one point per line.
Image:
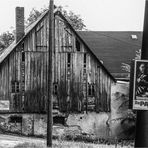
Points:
50	74
141	139
86	93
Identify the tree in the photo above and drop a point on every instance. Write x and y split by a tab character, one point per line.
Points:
74	19
126	67
6	39
34	15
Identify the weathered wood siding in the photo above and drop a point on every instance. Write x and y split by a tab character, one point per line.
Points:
73	81
36	57
80	83
31	73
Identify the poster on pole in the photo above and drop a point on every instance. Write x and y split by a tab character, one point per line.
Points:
4	105
140	88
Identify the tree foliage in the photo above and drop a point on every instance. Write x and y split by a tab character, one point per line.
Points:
75	20
126	67
6	39
34	15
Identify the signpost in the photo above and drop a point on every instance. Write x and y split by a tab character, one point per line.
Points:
50	73
140	89
141	139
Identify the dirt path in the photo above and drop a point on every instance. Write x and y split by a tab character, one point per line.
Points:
9	141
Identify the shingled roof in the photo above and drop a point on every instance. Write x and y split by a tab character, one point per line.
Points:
113	48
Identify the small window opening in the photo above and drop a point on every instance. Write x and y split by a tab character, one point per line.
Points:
15	86
68	59
84	58
15	119
59	120
55	88
84	63
78	45
23	56
91	90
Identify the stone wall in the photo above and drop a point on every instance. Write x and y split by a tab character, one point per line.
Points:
122	121
91	123
119	124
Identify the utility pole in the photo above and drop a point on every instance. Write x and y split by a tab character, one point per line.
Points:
50	74
141	139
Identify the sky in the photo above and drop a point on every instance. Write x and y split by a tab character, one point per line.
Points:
98	15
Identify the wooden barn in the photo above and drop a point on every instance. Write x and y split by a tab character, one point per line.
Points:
80	81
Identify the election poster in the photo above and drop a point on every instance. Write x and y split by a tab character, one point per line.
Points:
140	88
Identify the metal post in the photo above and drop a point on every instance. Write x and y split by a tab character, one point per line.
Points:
141	139
50	67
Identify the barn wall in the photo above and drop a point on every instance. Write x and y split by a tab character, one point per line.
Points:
75	75
36	63
27	66
9	72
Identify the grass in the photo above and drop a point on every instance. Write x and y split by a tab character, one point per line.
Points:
64	144
55	145
29	145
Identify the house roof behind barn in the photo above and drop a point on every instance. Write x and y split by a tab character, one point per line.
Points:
8	50
113	48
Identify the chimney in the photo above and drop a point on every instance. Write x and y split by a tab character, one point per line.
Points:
19	12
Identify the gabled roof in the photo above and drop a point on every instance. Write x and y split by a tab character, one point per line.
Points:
86	45
113	48
8	50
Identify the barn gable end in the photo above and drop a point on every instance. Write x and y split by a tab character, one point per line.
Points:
80	81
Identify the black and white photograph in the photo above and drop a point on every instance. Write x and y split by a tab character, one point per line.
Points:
66	78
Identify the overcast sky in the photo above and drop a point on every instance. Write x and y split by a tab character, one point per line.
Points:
100	15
